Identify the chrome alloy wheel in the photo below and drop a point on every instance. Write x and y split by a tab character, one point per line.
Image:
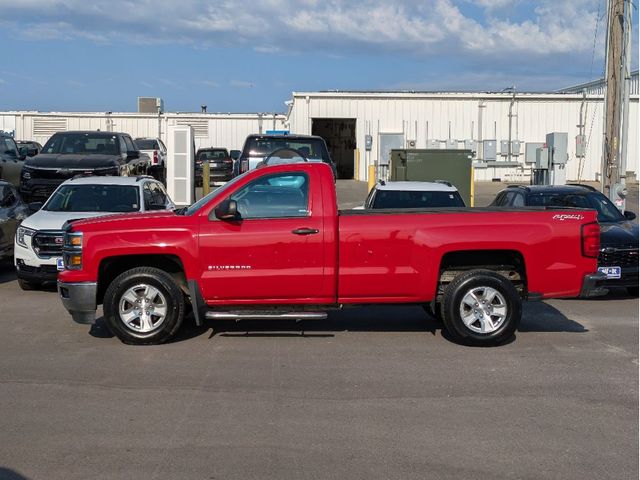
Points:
483	310
142	308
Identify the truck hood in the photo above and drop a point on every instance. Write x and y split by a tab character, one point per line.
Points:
124	221
621	233
71	160
45	220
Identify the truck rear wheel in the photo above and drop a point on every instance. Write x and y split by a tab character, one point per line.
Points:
143	306
481	308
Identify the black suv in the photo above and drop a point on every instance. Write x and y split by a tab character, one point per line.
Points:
618	257
10	159
220	164
258	147
68	154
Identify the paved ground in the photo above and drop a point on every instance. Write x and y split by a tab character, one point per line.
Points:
369	393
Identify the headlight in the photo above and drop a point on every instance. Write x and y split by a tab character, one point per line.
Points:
72	251
21	236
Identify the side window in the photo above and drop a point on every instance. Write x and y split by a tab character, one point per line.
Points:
518	200
499	200
129	143
123	145
154	197
9	147
369	201
274	196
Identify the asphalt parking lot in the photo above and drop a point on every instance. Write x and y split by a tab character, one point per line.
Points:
367	393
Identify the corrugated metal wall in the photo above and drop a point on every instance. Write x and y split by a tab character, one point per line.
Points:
212	130
423	116
419	116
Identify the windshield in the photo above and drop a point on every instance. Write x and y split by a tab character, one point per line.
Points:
85	143
312	148
413	199
218	191
607	211
94	198
213	155
146	144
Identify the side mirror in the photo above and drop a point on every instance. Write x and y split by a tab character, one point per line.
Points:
133	154
629	215
227	210
34	206
32	152
23	151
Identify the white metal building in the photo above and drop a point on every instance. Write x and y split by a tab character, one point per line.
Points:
391	119
446	120
211	129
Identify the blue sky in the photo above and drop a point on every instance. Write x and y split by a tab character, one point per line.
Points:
80	55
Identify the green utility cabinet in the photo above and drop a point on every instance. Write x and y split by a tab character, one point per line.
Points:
429	165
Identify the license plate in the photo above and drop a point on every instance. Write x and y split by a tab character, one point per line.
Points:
59	264
611	272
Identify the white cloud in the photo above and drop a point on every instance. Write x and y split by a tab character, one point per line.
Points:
329	27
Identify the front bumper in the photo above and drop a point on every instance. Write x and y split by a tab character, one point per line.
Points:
591	285
80	300
628	278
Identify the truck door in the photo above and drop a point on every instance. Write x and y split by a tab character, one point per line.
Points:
273	253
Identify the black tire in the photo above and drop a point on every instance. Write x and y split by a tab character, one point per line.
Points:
476	281
173	299
29	285
632	292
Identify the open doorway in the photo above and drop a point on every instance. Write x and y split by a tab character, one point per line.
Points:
340	135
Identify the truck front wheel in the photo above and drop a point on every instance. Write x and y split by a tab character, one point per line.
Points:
143	306
481	308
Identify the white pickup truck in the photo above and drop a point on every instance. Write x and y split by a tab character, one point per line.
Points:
155	148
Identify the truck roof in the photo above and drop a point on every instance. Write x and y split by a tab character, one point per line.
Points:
105	180
416	186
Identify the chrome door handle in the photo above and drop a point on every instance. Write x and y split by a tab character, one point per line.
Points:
306	231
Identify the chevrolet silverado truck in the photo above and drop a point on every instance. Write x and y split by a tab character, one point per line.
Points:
68	154
272	243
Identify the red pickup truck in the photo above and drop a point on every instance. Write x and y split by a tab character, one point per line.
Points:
272	244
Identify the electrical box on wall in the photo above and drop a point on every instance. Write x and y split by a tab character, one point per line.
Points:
530	151
490	153
411	144
504	148
581	145
433	144
368	142
542	158
557	143
515	147
451	144
470	145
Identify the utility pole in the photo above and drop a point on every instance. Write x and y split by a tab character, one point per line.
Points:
617	73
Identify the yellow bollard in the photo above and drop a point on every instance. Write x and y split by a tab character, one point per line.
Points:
372	176
206	178
356	170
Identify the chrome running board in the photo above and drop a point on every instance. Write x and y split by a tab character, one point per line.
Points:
258	315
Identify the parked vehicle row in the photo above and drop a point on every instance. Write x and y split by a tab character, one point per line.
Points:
67	154
39	239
